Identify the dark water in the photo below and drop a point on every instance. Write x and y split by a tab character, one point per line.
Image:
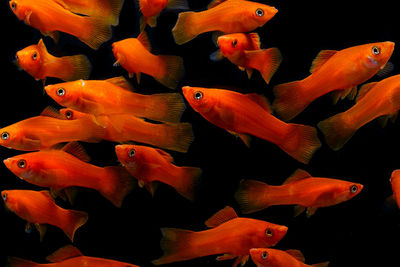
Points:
360	231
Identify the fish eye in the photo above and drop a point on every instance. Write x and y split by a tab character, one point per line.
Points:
60	91
259	12
198	95
69	114
264	254
376	50
353	189
5	196
268	232
5	135
234	43
13	5
34	55
21	163
131	153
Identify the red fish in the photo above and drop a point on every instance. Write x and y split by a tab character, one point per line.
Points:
60	169
395	182
39	208
36	61
227	16
332	71
134	55
229	235
300	189
269	257
149	164
374	100
244	51
113	96
242	115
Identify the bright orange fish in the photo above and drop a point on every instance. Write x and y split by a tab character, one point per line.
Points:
299	189
39	208
332	71
134	55
50	17
113	96
68	256
244	51
374	100
227	16
48	129
269	257
395	182
149	164
230	235
36	61
60	169
242	115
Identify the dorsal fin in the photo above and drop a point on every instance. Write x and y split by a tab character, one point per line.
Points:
144	40
255	40
67	252
221	217
52	112
120	81
321	58
261	100
296	254
164	154
364	90
215	3
297	176
42	47
76	150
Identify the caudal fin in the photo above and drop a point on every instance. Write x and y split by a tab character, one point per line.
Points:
336	131
76	67
173	73
18	262
177	137
73	221
166	107
266	61
252	196
185	28
95	32
187	183
289	101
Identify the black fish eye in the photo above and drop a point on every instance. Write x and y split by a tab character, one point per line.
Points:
60	91
353	189
234	43
68	114
21	163
259	12
5	196
5	135
131	153
34	55
268	232
376	50
198	95
13	5
264	255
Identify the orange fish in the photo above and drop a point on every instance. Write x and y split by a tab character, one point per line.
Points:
36	61
39	208
51	17
134	55
229	235
395	182
269	257
299	189
244	51
226	16
113	96
60	169
68	256
242	115
48	129
149	164
332	71
374	100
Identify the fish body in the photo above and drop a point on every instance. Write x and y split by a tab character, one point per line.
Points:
332	71
395	182
250	114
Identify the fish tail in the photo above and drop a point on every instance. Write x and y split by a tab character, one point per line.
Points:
175	244
185	28
289	101
188	181
74	220
96	33
18	262
115	6
166	107
266	61
174	71
118	186
301	142
252	196
76	67
178	136
336	131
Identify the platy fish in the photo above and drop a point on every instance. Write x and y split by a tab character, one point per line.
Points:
149	164
36	61
39	208
299	189
227	16
374	100
229	235
395	182
332	71
244	114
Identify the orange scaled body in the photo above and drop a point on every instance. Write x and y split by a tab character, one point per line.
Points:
395	182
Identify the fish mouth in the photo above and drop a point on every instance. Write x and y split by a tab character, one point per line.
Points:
16	62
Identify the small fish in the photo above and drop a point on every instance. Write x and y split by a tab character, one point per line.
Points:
134	55
36	61
229	235
244	51
332	71
39	208
269	257
60	169
227	16
149	164
244	114
375	99
114	96
299	189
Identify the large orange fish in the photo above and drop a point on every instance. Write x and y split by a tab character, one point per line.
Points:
242	115
36	61
244	51
149	164
299	189
332	71
134	55
51	17
229	235
113	96
270	257
227	16
374	100
40	209
61	169
395	182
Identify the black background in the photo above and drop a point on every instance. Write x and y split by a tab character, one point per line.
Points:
360	231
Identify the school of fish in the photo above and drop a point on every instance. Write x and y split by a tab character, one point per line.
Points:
112	110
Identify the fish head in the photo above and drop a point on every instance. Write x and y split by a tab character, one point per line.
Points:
376	55
24	166
198	98
128	156
347	191
70	114
265	234
260	13
18	8
29	59
11	137
9	200
230	44
66	94
394	178
262	257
